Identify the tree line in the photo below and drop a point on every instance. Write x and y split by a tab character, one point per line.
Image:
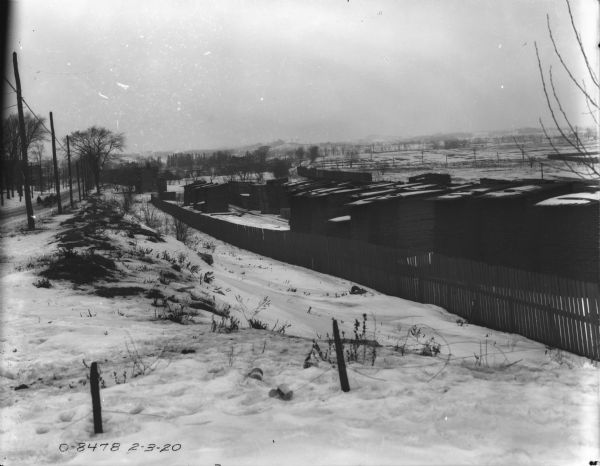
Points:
251	165
91	149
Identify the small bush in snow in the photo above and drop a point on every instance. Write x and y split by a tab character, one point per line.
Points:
149	216
250	315
228	324
317	354
419	341
42	283
182	230
176	313
140	366
280	328
257	324
208	277
209	245
127	201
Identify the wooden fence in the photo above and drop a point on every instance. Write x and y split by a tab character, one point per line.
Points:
558	312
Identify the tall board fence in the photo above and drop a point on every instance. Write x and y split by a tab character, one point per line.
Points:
559	312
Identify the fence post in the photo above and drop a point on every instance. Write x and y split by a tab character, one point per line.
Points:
95	388
421	286
474	314
339	352
511	311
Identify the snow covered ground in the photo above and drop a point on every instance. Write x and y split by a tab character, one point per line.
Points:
179	394
267	221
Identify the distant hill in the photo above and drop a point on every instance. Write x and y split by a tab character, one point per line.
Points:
280	147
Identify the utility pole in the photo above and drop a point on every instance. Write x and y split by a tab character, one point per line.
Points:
83	180
24	161
56	180
70	178
78	183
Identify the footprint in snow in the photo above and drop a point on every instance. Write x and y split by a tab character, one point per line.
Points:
66	416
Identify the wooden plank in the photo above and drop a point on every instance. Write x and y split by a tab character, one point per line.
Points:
595	320
540	298
582	325
566	293
559	304
531	307
558	318
548	314
586	326
578	308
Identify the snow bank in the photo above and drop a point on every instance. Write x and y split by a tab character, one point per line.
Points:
487	398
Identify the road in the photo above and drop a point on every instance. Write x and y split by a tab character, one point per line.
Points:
10	217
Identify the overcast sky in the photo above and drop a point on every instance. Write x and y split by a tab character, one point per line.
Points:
193	74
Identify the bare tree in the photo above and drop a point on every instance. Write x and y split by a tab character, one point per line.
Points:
37	152
35	132
586	160
313	153
95	146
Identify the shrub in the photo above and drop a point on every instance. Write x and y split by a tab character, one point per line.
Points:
79	268
209	245
149	215
42	283
177	313
257	324
182	230
250	315
228	324
418	341
127	201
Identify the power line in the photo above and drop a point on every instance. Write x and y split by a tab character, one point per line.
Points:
35	115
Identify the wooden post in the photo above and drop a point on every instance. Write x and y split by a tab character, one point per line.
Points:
339	352
78	183
95	388
56	180
70	177
83	178
24	161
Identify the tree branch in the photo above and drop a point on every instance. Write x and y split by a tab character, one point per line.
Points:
558	54
578	37
581	150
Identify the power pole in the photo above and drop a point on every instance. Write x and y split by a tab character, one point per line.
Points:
56	180
70	178
78	183
84	178
25	162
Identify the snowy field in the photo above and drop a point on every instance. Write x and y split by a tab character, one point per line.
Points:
502	161
176	388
